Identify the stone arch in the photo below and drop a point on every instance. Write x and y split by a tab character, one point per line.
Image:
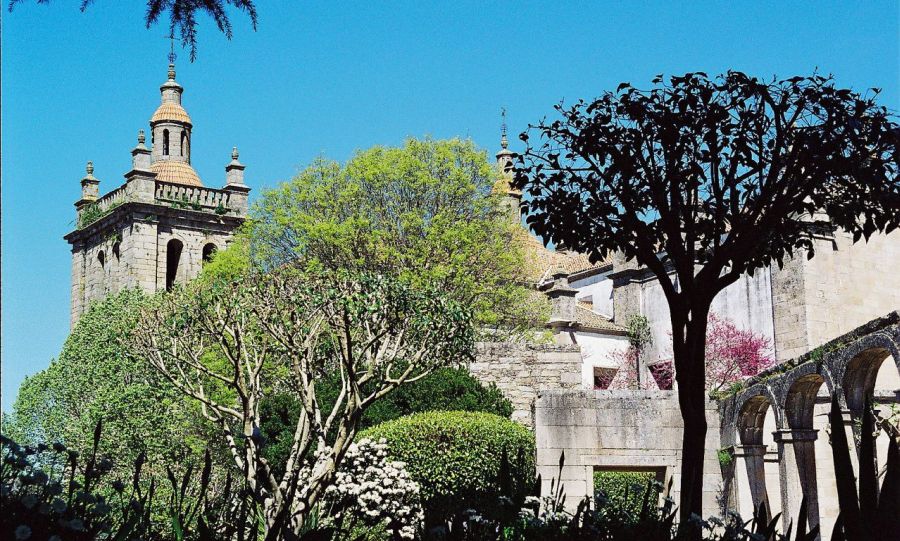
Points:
101	258
751	409
860	367
800	400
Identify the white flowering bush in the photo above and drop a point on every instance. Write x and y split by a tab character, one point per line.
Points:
371	491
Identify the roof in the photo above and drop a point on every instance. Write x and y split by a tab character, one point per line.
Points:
541	262
170	111
176	172
589	320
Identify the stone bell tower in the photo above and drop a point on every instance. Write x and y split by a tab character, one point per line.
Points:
157	228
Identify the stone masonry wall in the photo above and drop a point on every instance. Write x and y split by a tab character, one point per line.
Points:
521	371
618	430
140	236
843	286
850	285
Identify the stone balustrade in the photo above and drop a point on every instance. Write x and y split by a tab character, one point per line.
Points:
111	200
192	196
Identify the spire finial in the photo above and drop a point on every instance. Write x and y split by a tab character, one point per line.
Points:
503	141
172	55
141	137
90	168
234	153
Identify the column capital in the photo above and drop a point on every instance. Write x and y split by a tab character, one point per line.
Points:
750	450
791	435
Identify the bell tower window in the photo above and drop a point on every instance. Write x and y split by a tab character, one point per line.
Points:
165	142
183	142
208	252
173	257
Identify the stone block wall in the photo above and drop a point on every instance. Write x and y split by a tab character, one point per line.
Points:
843	286
133	240
848	284
521	371
618	430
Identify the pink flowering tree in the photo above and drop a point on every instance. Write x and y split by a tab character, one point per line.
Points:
732	355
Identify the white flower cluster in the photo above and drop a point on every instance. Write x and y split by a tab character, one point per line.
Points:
371	489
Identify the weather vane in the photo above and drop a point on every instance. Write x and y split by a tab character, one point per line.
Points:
171	38
503	142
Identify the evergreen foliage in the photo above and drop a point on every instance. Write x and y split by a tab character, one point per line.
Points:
456	457
625	490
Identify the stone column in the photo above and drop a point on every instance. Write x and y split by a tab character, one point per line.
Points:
796	447
751	472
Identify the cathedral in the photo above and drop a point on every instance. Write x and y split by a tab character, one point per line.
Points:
832	322
157	228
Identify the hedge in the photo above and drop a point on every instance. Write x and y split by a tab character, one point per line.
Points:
623	491
455	456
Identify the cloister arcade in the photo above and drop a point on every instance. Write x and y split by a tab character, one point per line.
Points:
778	430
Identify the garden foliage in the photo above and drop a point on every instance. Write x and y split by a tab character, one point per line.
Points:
95	378
446	389
456	458
625	490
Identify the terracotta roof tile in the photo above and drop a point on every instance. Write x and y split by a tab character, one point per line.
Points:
587	319
541	262
175	172
170	111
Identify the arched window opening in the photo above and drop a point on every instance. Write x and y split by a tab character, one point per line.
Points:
116	250
173	258
101	257
208	252
183	143
165	142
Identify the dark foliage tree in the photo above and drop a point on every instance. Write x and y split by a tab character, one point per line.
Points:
703	180
183	16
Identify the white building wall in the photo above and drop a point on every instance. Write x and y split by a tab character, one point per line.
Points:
598	350
747	303
599	288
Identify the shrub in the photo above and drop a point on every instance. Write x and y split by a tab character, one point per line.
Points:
456	457
624	490
445	389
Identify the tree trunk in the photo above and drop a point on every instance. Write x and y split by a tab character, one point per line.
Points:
689	344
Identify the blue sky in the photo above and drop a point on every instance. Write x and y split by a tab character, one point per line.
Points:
321	78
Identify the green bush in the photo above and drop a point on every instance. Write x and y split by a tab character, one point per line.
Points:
455	457
445	389
625	490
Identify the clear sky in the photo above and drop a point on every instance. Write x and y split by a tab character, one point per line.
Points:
322	78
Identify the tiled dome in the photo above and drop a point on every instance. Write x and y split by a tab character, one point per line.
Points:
170	111
175	172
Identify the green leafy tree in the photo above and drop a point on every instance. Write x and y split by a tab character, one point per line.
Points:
702	181
183	16
424	211
228	346
94	378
